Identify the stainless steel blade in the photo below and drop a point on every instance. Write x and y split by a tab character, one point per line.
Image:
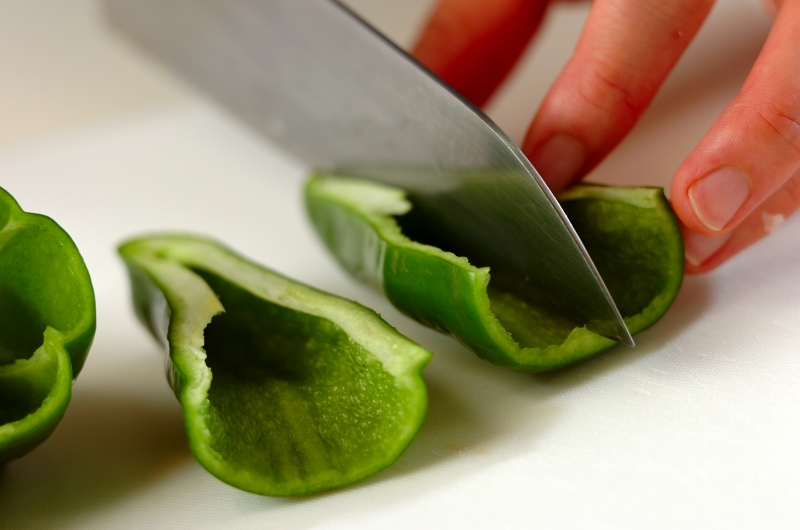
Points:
322	83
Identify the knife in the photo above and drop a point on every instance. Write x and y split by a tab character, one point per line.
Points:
323	84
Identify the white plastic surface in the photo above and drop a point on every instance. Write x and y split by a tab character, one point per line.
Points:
697	427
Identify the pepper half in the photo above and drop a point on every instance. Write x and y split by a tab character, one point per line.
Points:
286	390
47	323
631	234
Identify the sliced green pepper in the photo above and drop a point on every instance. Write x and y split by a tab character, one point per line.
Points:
631	234
47	323
286	390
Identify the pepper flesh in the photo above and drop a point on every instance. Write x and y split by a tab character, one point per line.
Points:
47	323
631	234
286	390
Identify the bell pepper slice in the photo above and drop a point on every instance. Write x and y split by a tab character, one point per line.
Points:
631	234
286	390
47	323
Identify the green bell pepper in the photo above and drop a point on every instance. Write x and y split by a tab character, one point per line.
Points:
47	323
631	234
286	390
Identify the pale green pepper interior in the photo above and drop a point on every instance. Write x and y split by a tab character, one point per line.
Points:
296	387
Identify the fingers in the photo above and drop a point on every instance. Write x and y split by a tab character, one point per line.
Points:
473	44
744	172
704	253
625	51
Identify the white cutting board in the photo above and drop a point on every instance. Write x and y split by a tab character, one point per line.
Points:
697	427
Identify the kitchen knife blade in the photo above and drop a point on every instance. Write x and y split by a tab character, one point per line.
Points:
329	88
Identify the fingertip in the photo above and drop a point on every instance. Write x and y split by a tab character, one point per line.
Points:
686	199
705	253
717	197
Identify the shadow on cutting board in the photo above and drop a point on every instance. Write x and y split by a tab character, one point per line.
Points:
113	444
478	411
106	446
692	301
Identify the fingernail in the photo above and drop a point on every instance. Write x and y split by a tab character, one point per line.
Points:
559	160
698	248
718	196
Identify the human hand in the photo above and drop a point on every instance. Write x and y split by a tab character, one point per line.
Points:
740	181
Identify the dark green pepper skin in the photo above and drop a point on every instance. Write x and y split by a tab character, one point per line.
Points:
631	233
47	323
